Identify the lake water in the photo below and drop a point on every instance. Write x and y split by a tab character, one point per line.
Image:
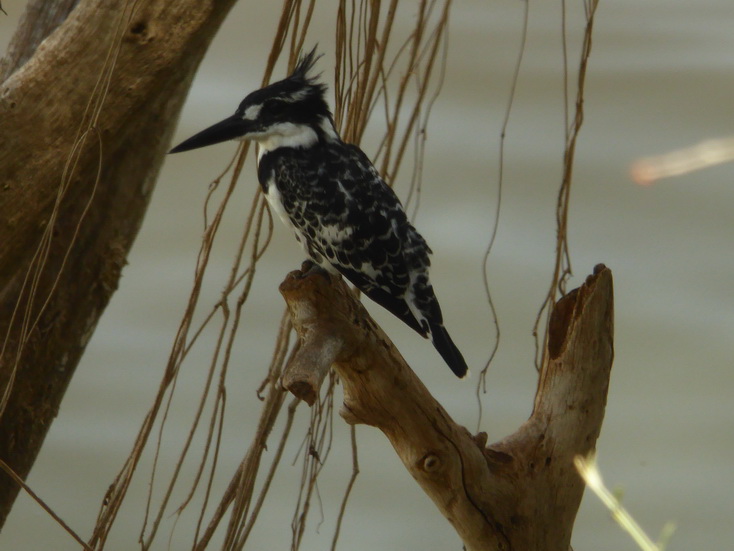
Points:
661	77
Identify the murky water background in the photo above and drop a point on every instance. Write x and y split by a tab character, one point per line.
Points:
661	77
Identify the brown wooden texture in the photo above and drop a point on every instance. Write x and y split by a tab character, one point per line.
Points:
521	493
86	117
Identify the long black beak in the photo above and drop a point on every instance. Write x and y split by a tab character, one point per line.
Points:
228	129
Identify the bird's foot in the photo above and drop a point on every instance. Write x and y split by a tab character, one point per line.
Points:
309	267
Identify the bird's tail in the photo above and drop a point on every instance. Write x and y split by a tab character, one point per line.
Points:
446	347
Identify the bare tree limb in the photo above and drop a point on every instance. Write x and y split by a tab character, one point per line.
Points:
520	493
86	121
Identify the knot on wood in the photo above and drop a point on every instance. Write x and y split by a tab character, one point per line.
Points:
431	463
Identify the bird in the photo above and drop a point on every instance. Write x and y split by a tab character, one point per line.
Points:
346	218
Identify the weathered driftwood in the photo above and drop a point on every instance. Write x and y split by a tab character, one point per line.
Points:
521	493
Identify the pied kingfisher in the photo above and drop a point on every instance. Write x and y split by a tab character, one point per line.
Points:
342	212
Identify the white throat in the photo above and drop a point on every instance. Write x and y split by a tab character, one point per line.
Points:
285	134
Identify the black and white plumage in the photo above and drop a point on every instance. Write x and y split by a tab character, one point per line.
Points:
342	212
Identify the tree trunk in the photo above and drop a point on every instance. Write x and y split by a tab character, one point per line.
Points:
521	493
86	116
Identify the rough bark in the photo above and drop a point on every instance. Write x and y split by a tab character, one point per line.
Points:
521	493
87	214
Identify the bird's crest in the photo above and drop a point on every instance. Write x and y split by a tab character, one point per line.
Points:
304	66
300	83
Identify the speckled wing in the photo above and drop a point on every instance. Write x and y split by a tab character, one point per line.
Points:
350	220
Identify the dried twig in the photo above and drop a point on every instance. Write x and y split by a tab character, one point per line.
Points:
19	481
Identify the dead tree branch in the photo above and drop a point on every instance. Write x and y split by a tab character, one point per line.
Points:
520	493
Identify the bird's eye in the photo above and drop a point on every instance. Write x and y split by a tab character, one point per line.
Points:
275	107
